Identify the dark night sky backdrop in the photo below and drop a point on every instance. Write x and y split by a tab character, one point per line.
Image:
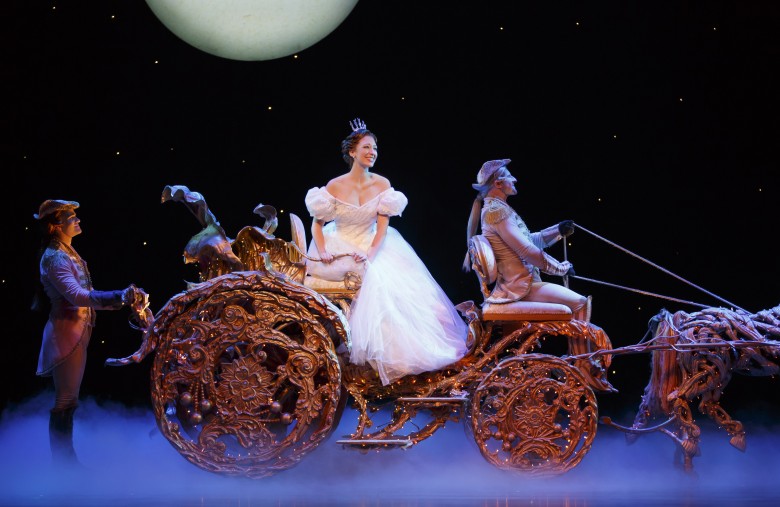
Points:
652	124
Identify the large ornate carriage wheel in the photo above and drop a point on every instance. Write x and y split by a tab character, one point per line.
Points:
246	380
534	413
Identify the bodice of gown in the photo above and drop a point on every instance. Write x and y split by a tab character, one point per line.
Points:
355	224
350	220
350	228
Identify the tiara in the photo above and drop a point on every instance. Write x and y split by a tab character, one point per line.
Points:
357	124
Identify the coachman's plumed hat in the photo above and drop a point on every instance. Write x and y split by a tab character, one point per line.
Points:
487	170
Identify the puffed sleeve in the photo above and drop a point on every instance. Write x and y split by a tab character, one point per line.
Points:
320	204
392	203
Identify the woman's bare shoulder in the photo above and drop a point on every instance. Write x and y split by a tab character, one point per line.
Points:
338	183
381	182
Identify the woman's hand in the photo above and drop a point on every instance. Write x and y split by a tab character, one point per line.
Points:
326	257
359	257
372	251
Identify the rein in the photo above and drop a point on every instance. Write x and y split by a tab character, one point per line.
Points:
649	263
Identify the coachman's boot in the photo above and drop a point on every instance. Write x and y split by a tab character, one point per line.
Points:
583	312
61	437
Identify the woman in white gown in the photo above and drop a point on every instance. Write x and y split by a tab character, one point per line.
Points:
401	320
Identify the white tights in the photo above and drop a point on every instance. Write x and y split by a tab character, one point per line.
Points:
547	292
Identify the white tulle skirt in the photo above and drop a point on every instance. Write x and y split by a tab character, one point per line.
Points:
401	320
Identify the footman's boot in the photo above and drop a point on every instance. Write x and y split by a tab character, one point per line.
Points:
61	438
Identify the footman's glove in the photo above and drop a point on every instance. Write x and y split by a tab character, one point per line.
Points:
566	228
108	299
570	272
128	295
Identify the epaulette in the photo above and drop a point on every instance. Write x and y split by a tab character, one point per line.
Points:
495	211
54	257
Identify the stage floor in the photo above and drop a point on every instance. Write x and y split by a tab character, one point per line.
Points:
131	464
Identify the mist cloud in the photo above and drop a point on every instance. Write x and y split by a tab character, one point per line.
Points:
131	463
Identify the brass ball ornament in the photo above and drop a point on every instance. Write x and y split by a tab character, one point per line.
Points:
251	30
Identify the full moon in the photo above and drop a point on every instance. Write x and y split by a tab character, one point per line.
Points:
251	30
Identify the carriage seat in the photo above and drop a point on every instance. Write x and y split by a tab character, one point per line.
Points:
483	262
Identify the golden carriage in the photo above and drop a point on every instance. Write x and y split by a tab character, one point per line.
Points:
251	369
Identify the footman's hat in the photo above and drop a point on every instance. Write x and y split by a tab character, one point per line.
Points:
50	206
